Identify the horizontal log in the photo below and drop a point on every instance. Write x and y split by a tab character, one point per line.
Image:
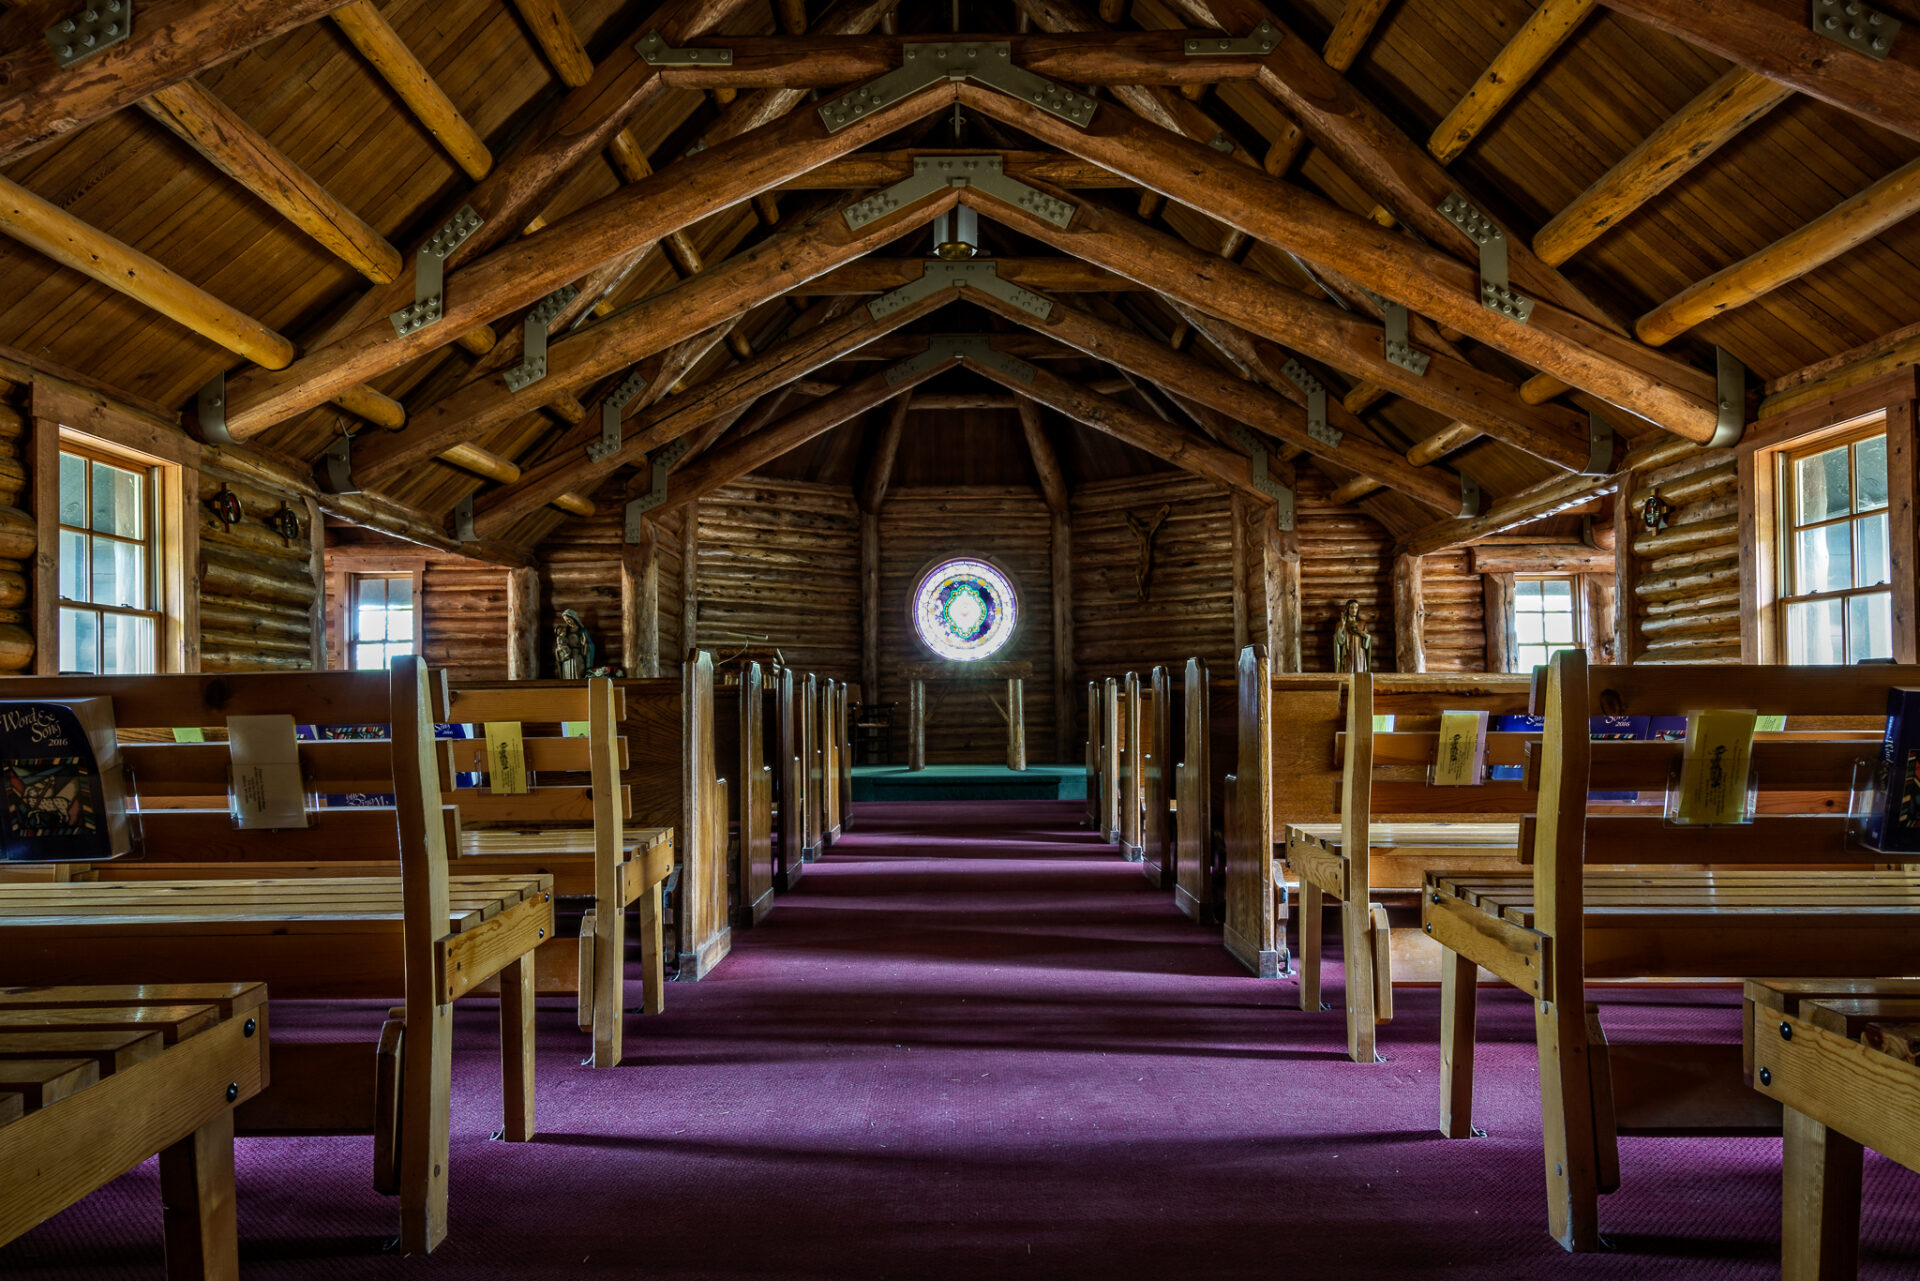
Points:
1692	557
19	534
1686	604
1667	586
222	660
253	642
1677	538
1724	622
1541	558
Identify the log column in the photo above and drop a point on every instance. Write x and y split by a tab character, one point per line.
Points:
1238	520
1280	557
640	603
1016	723
523	621
916	724
1409	615
870	608
1498	611
690	577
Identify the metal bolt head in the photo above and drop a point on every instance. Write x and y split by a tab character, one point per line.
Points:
1786	1031
251	1027
233	1090
1766	1076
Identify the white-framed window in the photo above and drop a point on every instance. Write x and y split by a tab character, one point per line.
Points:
1836	599
109	559
382	619
1546	618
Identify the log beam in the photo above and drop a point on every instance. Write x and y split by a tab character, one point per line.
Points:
640	603
1060	560
886	449
1046	463
523	624
1052	275
1349	35
382	47
1538	39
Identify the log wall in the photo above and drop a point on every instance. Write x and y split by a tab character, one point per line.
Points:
1010	527
1456	628
1685	605
580	570
1344	554
462	609
257	589
779	569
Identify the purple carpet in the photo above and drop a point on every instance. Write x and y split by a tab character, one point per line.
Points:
975	1044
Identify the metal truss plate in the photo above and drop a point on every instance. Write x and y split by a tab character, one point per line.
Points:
1469	496
974	351
1262	41
336	468
660	464
1396	344
1860	27
981	274
610	410
655	52
533	347
463	521
987	62
1316	392
1599	446
1263	478
211	410
1731	399
932	173
100	25
429	272
1496	295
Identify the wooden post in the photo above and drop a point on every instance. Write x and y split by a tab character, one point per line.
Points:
1602	642
1626	571
1016	723
523	622
870	607
1409	616
1498	611
689	577
1063	664
1238	519
640	603
1280	555
917	724
316	540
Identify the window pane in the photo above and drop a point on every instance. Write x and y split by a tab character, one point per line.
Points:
1870	470
1871	569
400	628
73	565
78	642
126	645
1560	629
1813	632
119	573
1825	560
1821	484
370	623
1529	629
1869	627
399	593
116	501
73	490
1527	591
370	657
1557	592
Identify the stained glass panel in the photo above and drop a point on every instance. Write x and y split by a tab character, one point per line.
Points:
965	610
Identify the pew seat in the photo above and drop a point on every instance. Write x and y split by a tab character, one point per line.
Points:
94	1080
1840	1059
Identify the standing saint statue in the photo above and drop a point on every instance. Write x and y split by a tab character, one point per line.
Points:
572	647
1352	642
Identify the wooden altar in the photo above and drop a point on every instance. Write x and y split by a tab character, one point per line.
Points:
1014	674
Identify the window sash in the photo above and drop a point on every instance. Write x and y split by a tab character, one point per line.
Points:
1792	572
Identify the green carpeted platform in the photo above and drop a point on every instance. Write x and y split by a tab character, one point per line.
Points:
970	783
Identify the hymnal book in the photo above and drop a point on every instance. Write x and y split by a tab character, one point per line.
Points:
66	795
1513	723
1894	826
1459	760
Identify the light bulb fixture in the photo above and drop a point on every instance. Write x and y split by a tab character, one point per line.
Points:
964	240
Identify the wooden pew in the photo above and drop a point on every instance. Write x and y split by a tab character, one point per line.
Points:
846	757
573	824
419	934
93	1081
1386	775
1096	794
740	741
675	783
1133	723
1208	742
786	733
1112	745
1166	711
833	728
1840	1059
1617	894
807	688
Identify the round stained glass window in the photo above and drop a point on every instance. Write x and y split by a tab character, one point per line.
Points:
965	609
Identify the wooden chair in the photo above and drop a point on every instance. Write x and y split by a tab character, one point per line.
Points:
572	823
1625	895
361	931
1843	1060
1166	708
740	743
93	1081
1386	775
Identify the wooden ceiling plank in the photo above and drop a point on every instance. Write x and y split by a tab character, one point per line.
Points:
1046	463
520	274
1539	38
381	46
1619	370
1692	134
234	147
1776	39
1846	226
175	40
1351	31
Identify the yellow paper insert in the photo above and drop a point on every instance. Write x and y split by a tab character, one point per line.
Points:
1713	772
1457	760
506	759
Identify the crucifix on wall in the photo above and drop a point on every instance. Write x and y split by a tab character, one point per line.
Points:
1143	532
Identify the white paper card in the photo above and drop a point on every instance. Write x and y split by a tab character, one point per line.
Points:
268	791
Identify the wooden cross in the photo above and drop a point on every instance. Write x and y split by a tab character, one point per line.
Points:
1144	531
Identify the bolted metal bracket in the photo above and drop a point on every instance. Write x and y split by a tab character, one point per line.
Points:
981	274
1599	446
1260	42
656	52
1732	399
429	272
1496	295
660	463
336	468
610	410
932	173
987	62
1397	344
1469	496
1263	478
533	347
975	351
1317	425
101	25
1858	26
463	520
211	407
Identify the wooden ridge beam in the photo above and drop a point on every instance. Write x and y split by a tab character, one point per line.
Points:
1714	118
520	274
381	46
948	401
1617	369
174	41
1776	39
1318	330
1047	275
1847	225
1046	463
1538	39
884	168
641	329
238	150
